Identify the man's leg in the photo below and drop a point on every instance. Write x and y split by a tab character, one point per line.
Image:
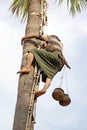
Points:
43	90
29	62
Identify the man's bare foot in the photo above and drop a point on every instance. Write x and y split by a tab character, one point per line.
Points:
24	71
39	93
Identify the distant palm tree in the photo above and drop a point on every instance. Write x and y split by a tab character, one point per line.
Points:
30	11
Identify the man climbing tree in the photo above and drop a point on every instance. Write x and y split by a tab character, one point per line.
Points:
50	58
35	13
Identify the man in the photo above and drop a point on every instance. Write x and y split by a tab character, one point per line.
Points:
50	59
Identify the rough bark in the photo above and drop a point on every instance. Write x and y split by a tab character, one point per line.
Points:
26	80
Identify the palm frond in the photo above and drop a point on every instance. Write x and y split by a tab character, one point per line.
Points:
83	4
20	8
75	5
67	3
60	1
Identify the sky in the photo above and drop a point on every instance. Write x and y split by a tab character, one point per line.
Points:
49	114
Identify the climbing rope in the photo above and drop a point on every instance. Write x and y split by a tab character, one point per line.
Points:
43	16
32	102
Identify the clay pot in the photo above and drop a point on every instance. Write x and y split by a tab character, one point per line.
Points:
58	94
65	100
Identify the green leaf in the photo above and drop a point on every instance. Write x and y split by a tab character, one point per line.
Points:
75	6
20	8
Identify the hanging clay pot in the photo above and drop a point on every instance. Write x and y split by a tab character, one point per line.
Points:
65	101
58	94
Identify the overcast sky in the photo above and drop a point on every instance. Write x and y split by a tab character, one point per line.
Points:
73	33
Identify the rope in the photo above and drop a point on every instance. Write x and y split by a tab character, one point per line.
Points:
36	88
43	16
32	103
66	82
62	78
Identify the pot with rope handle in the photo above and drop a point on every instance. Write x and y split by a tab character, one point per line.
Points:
58	94
66	100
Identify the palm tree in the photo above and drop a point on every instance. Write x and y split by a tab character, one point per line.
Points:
30	11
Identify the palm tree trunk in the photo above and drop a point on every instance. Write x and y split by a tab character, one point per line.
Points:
26	80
